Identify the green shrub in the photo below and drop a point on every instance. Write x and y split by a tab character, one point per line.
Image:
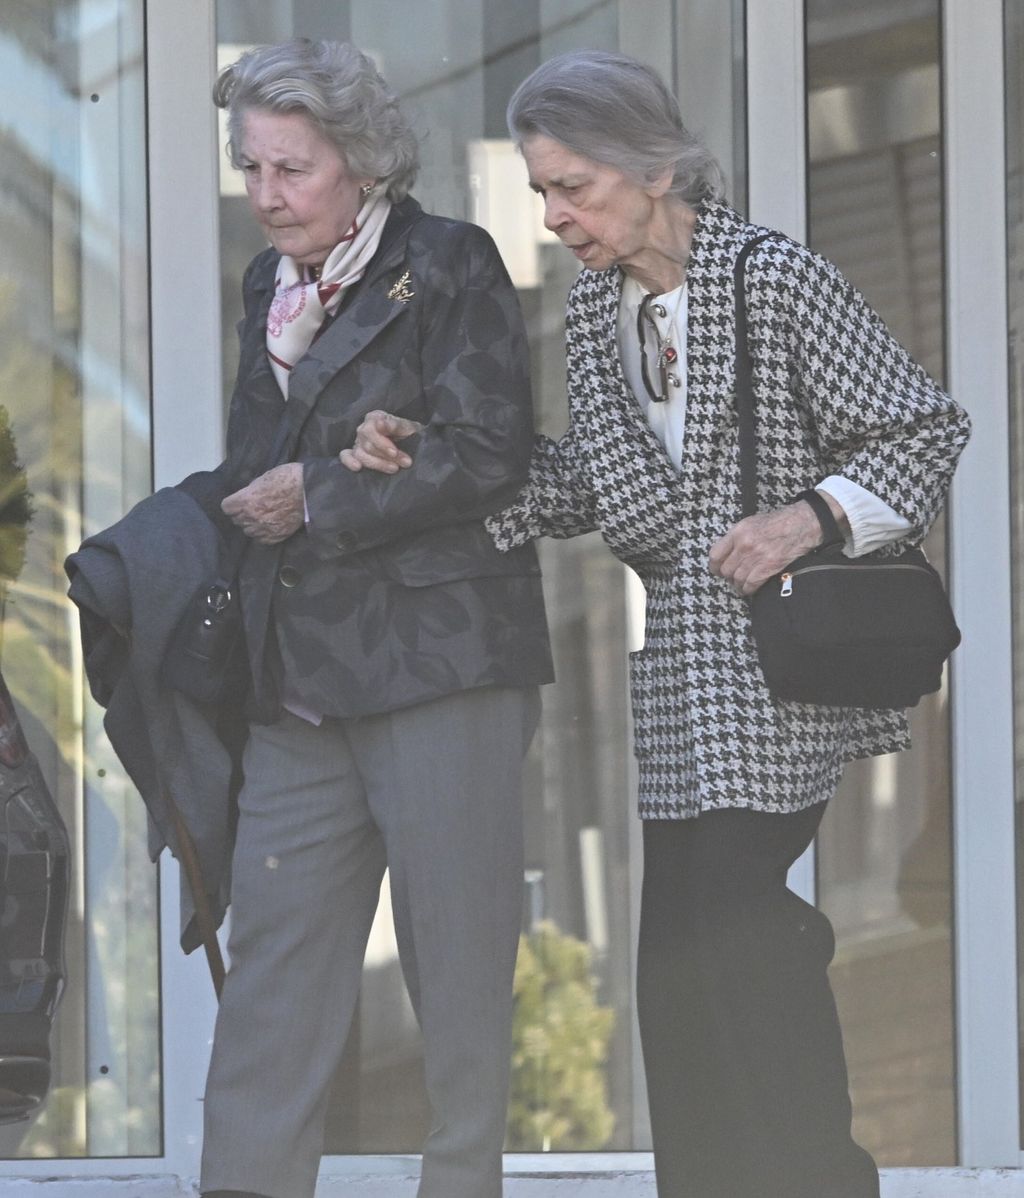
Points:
560	1034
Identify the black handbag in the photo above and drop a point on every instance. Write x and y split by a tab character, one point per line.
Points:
870	631
205	657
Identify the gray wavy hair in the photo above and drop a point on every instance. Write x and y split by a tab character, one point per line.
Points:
614	109
340	91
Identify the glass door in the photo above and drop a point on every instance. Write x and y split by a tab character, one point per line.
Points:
75	434
875	207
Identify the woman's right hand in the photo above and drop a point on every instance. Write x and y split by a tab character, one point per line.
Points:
375	443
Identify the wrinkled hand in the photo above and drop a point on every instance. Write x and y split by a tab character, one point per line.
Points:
760	546
271	507
375	444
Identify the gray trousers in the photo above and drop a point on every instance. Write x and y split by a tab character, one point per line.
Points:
433	793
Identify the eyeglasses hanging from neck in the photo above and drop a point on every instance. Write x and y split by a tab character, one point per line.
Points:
666	357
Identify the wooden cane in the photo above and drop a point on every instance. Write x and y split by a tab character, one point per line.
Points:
189	859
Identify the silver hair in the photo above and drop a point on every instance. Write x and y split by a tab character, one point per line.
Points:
340	91
616	110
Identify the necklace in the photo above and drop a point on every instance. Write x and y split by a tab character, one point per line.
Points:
667	355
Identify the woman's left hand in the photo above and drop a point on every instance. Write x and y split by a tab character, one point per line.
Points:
762	545
271	507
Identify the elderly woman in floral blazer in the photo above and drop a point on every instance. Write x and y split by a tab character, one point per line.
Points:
378	615
745	1069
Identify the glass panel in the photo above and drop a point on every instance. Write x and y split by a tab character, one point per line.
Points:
455	64
884	862
1014	58
74	386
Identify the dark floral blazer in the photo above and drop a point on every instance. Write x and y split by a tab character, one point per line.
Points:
394	593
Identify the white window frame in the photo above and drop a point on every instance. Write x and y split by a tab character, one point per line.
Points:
187	435
982	682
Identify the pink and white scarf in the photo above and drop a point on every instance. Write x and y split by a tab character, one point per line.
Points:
301	305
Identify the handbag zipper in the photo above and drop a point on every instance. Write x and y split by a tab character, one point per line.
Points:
787	579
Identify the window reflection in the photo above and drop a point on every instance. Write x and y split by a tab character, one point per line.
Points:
884	861
74	381
455	65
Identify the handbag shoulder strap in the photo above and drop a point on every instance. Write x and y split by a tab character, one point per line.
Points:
744	385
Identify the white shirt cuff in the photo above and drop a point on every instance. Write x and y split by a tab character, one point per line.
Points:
873	523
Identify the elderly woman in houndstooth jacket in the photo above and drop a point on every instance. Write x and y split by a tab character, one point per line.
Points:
743	1052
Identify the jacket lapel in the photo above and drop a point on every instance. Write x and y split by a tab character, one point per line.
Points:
636	487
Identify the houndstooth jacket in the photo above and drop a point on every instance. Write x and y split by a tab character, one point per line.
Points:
836	394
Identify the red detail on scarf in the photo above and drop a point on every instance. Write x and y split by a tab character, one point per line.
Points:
352	234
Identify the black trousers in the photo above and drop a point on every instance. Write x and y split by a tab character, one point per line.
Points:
746	1075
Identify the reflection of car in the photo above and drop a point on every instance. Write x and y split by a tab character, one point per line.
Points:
34	876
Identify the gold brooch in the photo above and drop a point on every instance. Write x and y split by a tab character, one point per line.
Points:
400	291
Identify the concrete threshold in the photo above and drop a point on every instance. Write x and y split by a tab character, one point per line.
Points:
896	1183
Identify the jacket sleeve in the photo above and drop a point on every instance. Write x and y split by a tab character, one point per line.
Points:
474	451
879	419
552	504
556	501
